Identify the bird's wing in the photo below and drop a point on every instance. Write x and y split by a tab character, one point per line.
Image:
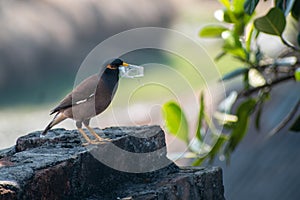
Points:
86	89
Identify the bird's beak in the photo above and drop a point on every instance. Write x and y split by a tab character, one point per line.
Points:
131	71
125	64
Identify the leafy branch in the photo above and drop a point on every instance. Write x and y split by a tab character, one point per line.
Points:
267	85
239	32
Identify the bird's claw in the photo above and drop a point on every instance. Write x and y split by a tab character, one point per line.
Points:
86	144
100	141
96	141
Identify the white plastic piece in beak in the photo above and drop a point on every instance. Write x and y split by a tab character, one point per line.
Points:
131	71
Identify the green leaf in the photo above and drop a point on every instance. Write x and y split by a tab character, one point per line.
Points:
212	31
200	117
235	73
297	74
243	112
298	39
239	28
176	121
250	5
296	125
258	56
228	16
238	6
263	97
217	147
249	35
220	55
246	81
233	45
273	23
296	12
199	161
226	3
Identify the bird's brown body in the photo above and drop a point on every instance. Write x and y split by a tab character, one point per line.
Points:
82	103
88	99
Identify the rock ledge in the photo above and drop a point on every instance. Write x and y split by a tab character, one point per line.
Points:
59	167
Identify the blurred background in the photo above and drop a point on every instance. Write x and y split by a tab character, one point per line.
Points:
43	44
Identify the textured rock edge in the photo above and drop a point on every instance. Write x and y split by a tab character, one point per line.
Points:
77	174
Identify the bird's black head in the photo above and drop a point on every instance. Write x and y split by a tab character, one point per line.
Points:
115	63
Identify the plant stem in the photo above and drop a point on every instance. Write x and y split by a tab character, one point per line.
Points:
275	82
289	44
286	120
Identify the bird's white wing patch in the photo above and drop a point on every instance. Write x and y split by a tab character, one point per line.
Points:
85	100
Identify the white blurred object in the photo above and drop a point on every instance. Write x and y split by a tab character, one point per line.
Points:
256	79
287	61
226	104
131	71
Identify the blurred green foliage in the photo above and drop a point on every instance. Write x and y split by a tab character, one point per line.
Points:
176	121
239	30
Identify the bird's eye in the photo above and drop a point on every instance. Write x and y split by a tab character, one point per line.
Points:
112	67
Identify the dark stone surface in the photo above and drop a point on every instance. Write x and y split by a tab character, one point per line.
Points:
188	183
59	167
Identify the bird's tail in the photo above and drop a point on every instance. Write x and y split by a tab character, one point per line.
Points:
57	118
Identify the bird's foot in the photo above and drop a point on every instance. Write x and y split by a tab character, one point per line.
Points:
96	141
86	144
89	143
100	141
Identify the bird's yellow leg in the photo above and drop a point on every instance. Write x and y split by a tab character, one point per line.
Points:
85	136
98	138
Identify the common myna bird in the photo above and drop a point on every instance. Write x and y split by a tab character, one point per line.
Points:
90	98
